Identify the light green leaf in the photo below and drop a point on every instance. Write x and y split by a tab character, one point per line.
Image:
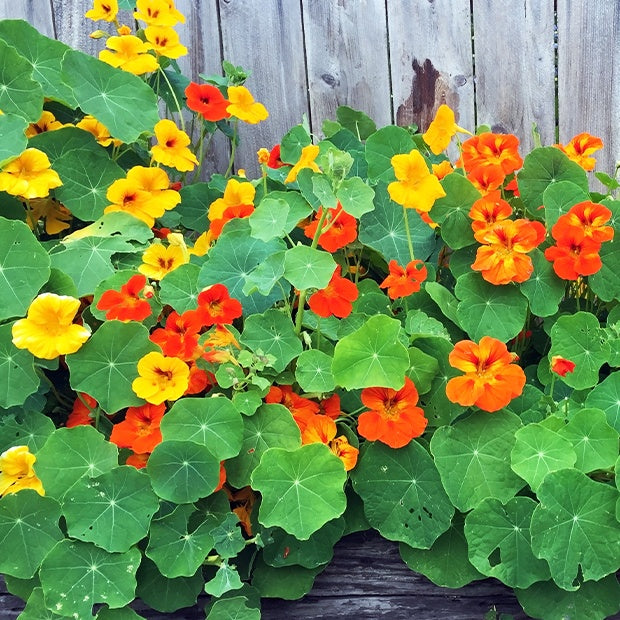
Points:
19	93
28	428
305	267
544	290
232	608
227	538
18	377
313	371
288	582
559	197
452	211
381	146
356	196
268	220
266	276
179	288
225	580
36	609
606	396
357	122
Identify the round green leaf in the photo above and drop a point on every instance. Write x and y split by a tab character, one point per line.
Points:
301	490
183	471
18	377
498	536
212	422
445	563
179	288
24	267
266	275
305	267
56	143
372	356
313	371
272	333
272	426
36	609
544	290
227	538
594	441
471	458
28	530
269	219
357	122
14	141
537	451
355	196
28	428
606	396
575	529
226	579
381	146
402	493
604	282
489	310
113	510
559	197
107	364
232	608
71	453
76	575
578	337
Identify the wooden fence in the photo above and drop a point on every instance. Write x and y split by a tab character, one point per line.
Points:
493	61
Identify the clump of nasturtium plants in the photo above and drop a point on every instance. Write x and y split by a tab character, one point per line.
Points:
204	385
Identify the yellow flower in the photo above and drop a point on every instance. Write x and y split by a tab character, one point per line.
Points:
161	378
442	169
243	106
16	472
48	330
416	187
202	244
47	122
103	9
56	216
441	130
236	193
99	130
308	155
29	175
158	12
263	156
171	148
159	260
165	41
129	53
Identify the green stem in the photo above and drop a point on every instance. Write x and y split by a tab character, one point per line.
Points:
408	234
176	101
233	147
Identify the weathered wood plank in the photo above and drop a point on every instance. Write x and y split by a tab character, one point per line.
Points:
266	37
74	29
589	74
37	13
431	60
347	56
514	60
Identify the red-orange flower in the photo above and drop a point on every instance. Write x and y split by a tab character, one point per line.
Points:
574	254
494	150
403	281
487	210
491	380
230	213
138	460
336	298
126	304
179	337
207	100
199	380
274	160
80	414
322	429
393	417
330	407
215	306
580	149
590	217
139	431
339	228
486	179
561	366
301	408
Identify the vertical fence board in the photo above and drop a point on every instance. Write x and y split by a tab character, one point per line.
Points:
347	55
514	60
266	38
431	62
589	74
73	28
37	13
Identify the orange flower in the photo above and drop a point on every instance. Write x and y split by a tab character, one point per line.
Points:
138	460
243	106
487	210
393	417
318	429
274	160
99	130
403	281
491	380
230	213
139	431
348	454
160	378
442	170
416	187
301	408
126	305
580	149
561	366
330	407
220	484
503	258
590	217
171	148
208	101
335	299
56	216
199	380
339	228
80	415
242	503
216	306
486	179
494	150
47	122
441	130
179	337
574	254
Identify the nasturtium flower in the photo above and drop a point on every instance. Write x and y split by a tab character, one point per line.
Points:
504	256
487	210
139	431
47	122
486	179
274	160
80	414
126	304
580	148
404	281
243	106
158	13
230	213
491	379
202	244
306	160
129	53
339	228
56	216
441	130
171	148
237	202
17	473
99	130
416	187
29	175
179	336
263	156
165	41
48	329
207	100
199	380
217	307
322	429
330	407
347	453
160	378
561	366
442	169
393	417
493	150
105	10
138	460
574	254
336	298
301	408
159	260
591	217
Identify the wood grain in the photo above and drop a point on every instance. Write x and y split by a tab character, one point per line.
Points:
37	13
